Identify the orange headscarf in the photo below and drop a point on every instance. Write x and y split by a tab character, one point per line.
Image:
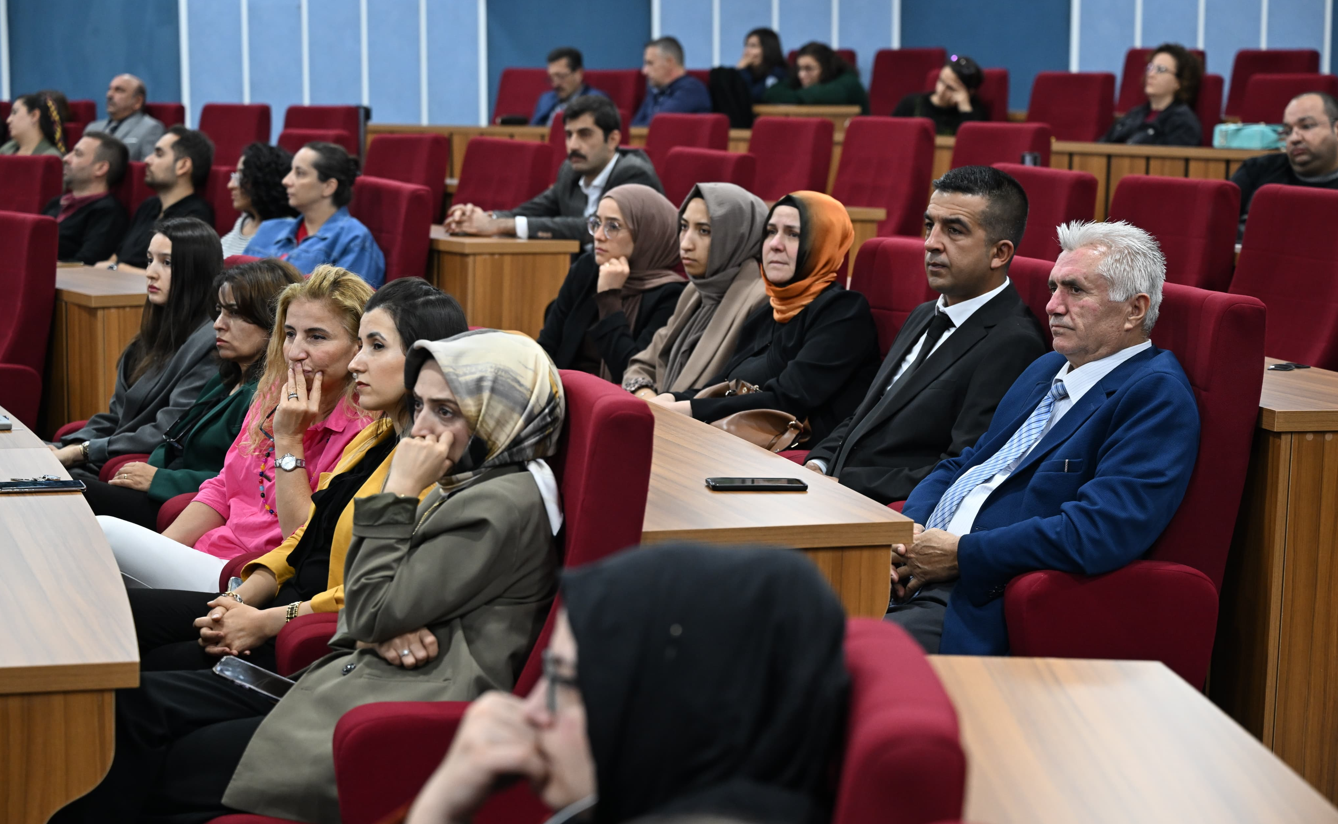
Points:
825	236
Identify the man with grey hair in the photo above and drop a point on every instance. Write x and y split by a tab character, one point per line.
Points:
669	88
1084	464
126	119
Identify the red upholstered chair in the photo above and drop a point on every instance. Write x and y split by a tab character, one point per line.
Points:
1164	607
5	108
109	469
685	168
897	73
1250	62
848	55
1194	221
344	118
517	92
1076	105
133	190
1209	105
294	139
73	133
625	87
237	260
1289	260
1266	95
500	174
992	94
83	111
169	114
1135	73
217	193
168	512
1031	279
1054	196
983	144
887	162
28	284
29	182
399	216
693	131
421	159
233	127
793	154
890	274
72	426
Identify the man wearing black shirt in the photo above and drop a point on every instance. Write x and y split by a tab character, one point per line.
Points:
177	170
92	222
1310	151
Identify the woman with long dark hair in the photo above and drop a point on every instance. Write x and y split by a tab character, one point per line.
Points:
35	127
820	78
258	193
1167	118
953	100
763	63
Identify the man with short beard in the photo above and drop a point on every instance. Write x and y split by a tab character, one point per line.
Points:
1309	156
92	222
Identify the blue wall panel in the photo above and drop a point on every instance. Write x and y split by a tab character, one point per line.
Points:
690	22
276	56
1107	32
215	34
1229	25
1296	24
866	27
335	53
452	84
805	20
737	18
392	51
1172	21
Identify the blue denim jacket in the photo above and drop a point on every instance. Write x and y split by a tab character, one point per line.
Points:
686	95
343	241
548	103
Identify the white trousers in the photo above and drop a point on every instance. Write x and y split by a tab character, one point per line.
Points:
148	560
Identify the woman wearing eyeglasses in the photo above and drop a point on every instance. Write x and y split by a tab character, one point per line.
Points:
258	193
953	100
1167	118
616	297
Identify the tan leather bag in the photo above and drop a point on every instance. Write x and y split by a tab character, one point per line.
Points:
770	429
728	389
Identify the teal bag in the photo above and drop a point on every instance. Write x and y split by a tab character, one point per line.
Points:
1247	136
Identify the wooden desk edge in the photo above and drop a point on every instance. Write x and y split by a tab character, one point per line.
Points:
100	301
69	677
805	537
875	213
504	246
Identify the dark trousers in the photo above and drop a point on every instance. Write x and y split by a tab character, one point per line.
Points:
923	616
167	635
127	504
179	738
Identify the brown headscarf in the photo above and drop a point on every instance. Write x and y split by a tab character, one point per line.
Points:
825	235
653	222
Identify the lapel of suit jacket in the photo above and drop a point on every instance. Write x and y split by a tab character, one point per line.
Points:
878	390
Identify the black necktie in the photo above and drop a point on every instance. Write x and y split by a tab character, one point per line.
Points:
936	329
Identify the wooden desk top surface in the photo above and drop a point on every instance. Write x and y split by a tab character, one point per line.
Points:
66	620
1051	740
873	213
680	507
86	286
1303	400
467	245
803	110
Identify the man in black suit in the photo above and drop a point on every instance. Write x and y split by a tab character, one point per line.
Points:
92	221
955	357
594	165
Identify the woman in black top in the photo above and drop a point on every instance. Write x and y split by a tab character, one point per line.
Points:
763	63
953	100
812	350
1166	119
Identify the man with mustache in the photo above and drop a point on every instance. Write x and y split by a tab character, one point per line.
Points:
595	164
1309	156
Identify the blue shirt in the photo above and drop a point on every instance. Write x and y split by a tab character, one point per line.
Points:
343	241
549	104
686	95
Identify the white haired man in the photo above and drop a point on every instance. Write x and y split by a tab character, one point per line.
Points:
1084	464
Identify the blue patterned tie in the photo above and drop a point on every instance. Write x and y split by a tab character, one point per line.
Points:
1022	441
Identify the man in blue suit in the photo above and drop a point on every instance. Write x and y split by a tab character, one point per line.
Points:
1084	463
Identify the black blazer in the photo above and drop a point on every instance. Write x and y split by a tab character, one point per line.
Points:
885	449
1177	125
559	210
576	314
817	366
93	232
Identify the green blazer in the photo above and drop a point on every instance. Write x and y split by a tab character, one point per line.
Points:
845	90
44	147
193	448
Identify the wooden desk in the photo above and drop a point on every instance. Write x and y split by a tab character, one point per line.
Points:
865	219
847	535
1050	740
839	115
68	640
502	282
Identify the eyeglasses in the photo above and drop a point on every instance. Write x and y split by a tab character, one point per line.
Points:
611	227
1157	68
1285	131
555	680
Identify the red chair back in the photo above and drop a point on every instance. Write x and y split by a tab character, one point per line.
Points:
399	216
294	139
897	73
83	111
1289	260
1135	73
703	76
1267	95
847	55
421	159
344	118
29	182
217	193
793	154
1209	105
984	144
625	87
233	127
992	94
518	91
693	131
1054	196
132	190
1031	279
887	162
28	283
1077	105
74	132
1194	221
890	274
498	173
1250	62
168	114
685	168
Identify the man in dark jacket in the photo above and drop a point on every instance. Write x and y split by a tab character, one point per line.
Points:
954	357
92	222
1309	156
594	165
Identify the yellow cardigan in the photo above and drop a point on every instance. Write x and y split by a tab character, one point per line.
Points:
276	560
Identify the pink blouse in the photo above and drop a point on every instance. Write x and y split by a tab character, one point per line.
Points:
252	524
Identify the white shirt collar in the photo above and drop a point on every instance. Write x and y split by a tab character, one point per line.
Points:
960	312
1078	381
597	185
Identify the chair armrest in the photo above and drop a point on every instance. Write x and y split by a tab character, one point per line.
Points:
108	470
171	509
799	456
20	392
69	428
303	640
1148	611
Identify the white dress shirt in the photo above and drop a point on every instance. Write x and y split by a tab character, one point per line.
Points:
593	191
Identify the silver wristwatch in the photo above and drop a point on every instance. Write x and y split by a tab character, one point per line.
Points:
288	462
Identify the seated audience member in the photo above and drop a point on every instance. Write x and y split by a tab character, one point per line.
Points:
320	187
747	723
811	351
720	228
92	222
820	77
566	74
258	193
955	357
35	127
1083	466
1309	156
62	106
617	296
467	575
161	372
193	448
595	164
126	119
953	100
177	170
763	63
1172	89
669	87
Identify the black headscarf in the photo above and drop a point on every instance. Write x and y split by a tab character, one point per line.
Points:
713	679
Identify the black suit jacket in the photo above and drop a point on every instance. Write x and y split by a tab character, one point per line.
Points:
885	449
559	210
92	233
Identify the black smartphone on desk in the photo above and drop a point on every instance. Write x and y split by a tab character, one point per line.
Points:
246	674
41	485
756	485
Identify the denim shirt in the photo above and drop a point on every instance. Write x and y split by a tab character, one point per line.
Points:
549	104
343	241
686	95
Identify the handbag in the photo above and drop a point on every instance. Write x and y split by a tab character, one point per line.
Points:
771	429
1246	136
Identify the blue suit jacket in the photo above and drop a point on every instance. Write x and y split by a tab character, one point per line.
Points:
1093	495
